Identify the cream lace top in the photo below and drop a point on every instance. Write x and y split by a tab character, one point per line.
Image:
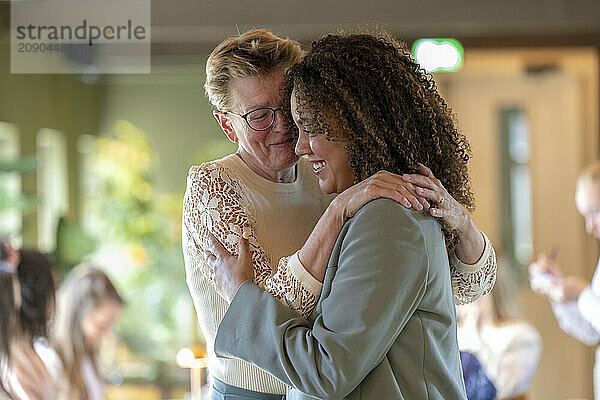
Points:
225	197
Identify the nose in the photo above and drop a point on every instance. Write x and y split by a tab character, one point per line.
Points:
590	224
279	122
302	145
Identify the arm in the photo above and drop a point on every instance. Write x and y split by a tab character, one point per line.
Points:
297	282
314	254
382	263
472	282
573	323
473	263
588	304
575	305
214	203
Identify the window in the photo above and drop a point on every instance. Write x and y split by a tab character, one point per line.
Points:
11	215
516	188
52	180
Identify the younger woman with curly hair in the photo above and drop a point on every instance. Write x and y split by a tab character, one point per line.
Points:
385	325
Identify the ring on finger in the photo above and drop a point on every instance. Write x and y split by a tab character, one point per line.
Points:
441	199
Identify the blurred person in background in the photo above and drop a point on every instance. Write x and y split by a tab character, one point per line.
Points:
27	305
575	301
266	192
87	308
508	347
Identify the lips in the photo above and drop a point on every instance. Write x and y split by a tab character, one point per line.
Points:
283	143
318	166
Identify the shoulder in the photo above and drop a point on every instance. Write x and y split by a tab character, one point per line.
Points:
391	217
213	175
48	356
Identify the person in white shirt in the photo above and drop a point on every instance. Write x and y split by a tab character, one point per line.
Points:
508	347
575	301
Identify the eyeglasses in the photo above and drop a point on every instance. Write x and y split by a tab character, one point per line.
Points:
260	119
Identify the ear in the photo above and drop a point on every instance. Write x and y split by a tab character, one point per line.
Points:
225	124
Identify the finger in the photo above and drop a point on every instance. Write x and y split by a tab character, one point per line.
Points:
420	180
426	171
210	258
414	202
244	245
388	190
216	247
429	194
437	213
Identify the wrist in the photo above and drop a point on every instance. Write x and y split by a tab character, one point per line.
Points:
233	289
337	213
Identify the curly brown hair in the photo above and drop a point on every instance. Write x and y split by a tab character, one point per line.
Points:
385	109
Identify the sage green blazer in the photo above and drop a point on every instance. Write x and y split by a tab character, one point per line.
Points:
384	326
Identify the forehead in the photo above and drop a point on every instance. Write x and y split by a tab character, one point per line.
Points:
587	197
252	92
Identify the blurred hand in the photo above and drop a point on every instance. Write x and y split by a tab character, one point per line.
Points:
230	270
572	286
545	278
545	265
447	208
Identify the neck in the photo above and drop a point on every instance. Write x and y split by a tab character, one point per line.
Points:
286	175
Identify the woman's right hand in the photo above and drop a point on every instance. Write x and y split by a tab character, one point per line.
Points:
381	184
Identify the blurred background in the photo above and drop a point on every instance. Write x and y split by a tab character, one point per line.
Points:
94	166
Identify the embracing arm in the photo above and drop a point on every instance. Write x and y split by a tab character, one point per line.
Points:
321	359
214	203
473	263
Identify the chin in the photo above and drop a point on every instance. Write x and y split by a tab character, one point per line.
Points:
326	187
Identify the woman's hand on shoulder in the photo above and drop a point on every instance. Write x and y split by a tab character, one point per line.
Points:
382	184
446	207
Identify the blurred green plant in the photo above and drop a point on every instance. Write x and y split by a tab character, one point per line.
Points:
139	244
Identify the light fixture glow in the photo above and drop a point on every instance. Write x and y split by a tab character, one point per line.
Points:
435	55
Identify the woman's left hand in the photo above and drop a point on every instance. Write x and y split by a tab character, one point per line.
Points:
230	271
431	188
471	245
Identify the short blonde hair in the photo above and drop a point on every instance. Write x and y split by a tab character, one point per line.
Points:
254	52
591	174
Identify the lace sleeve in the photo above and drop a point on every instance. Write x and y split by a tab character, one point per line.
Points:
472	282
214	202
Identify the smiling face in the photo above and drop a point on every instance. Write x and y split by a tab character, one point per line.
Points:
329	158
587	200
99	322
269	153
